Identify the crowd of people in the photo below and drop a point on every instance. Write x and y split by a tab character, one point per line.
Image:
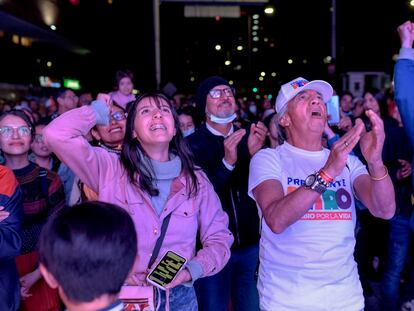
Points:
271	206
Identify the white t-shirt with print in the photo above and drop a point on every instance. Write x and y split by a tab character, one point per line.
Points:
310	265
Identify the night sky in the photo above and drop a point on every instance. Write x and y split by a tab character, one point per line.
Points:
120	35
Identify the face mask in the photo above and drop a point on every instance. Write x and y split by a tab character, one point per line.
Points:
219	120
253	109
188	132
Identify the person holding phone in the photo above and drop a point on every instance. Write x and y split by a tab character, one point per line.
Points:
155	178
333	110
305	194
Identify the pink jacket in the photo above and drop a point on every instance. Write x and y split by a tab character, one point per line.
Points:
122	99
104	174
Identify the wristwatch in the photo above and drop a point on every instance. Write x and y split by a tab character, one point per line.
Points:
316	183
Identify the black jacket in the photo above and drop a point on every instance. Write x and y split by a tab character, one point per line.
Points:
231	186
396	146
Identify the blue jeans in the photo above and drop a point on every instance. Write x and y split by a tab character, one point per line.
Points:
182	298
398	246
237	281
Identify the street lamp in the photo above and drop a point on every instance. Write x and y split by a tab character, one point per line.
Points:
269	10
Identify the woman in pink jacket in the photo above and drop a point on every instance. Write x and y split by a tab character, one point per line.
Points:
154	178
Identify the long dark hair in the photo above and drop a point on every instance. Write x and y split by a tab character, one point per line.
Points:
136	161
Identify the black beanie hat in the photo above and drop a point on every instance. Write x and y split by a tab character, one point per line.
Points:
204	88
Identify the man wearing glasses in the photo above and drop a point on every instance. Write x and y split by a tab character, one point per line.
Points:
223	152
65	100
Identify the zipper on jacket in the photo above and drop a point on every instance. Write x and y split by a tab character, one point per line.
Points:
235	217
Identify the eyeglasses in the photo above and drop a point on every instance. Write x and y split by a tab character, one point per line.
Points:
118	116
7	131
217	93
73	97
38	138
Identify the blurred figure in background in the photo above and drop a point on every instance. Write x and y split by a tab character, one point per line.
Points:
124	87
346	103
41	155
187	118
65	99
85	98
273	138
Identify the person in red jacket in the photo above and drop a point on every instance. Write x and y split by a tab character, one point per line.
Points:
10	242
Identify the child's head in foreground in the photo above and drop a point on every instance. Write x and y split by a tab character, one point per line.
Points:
87	251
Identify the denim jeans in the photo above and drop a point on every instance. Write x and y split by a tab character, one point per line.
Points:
237	281
182	298
398	246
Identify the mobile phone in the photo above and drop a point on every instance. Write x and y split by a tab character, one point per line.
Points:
367	124
332	107
166	269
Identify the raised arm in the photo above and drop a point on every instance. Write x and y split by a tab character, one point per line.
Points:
281	210
65	136
375	191
404	78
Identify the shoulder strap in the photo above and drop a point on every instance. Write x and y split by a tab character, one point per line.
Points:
157	246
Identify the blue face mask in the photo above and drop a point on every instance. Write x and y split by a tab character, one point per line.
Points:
219	120
188	132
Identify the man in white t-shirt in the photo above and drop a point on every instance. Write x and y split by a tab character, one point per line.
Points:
305	194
